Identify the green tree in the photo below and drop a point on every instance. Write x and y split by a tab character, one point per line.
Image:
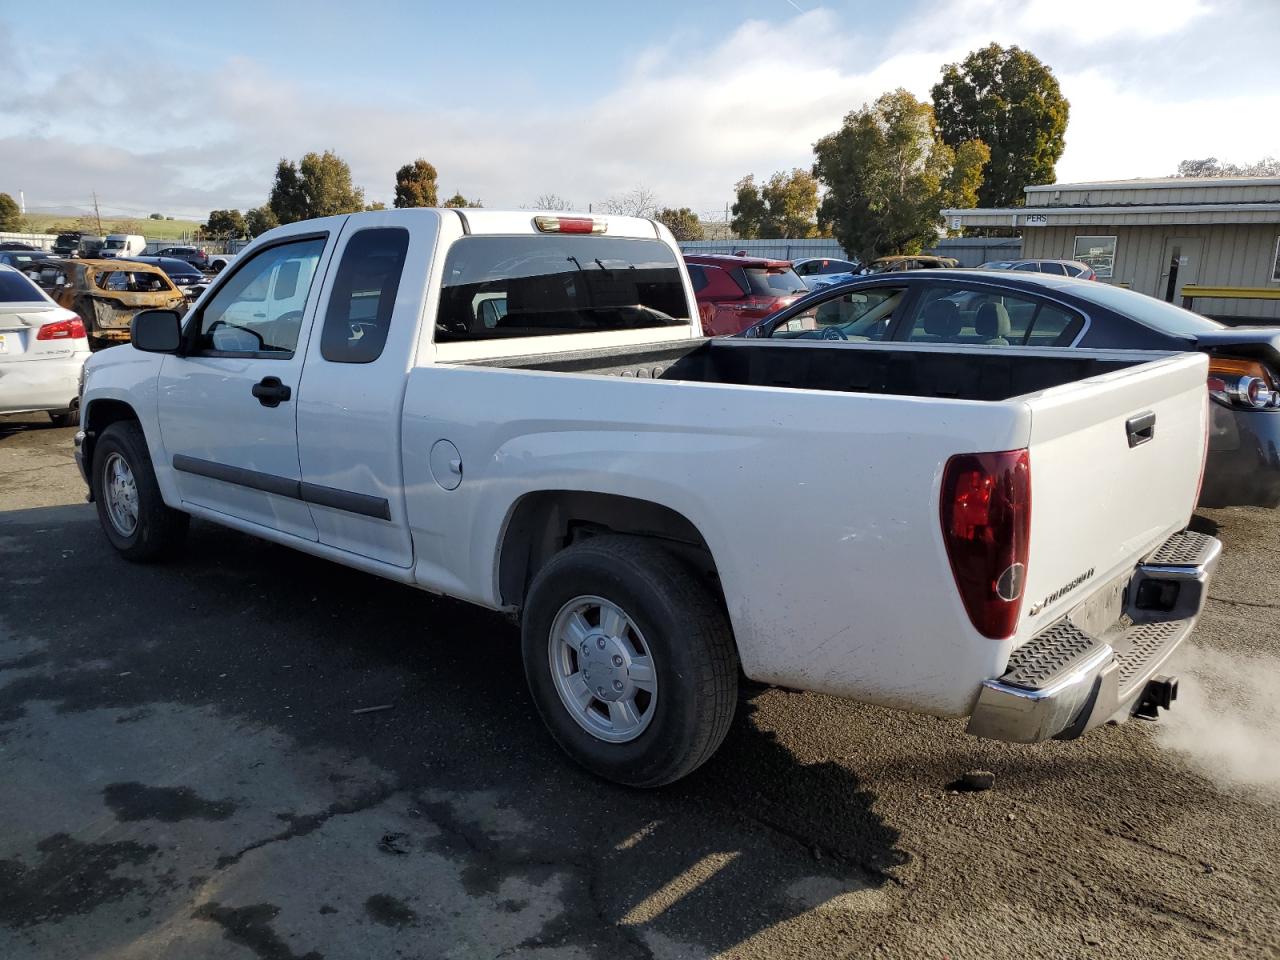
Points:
326	183
416	185
964	183
259	220
458	200
1012	102
783	208
888	175
10	214
749	209
288	201
683	223
792	199
225	225
318	186
157	216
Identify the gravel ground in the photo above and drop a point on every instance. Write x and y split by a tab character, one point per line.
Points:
184	776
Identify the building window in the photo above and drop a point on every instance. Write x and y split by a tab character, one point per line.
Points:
1275	267
1099	253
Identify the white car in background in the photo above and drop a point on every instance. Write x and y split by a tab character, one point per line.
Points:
220	261
43	348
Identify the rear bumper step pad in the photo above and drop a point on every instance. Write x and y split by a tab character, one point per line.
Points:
1064	681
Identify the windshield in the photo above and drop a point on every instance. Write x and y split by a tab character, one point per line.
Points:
774	281
1148	311
113	245
15	288
547	285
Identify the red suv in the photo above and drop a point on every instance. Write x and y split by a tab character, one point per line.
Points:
734	292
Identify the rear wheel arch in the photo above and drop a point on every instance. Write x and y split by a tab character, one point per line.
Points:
543	523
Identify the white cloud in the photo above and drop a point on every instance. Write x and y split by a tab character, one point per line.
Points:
686	127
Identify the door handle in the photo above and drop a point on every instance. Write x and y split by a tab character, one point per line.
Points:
1141	429
271	392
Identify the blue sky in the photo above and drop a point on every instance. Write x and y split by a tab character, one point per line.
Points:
180	111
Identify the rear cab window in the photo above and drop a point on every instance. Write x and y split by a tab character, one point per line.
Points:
989	316
554	285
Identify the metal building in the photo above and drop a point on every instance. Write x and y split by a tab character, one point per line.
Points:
1213	244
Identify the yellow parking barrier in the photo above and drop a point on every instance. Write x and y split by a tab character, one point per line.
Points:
1193	291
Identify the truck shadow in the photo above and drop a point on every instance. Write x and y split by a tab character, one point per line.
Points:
754	839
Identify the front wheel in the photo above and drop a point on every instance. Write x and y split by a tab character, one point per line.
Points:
630	660
131	510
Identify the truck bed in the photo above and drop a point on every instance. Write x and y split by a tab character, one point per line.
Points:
914	370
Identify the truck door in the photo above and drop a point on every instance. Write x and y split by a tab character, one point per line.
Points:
352	395
227	407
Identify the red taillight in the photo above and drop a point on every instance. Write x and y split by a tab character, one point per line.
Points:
570	225
71	329
986	526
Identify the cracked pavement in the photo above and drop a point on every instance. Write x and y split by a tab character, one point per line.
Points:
183	776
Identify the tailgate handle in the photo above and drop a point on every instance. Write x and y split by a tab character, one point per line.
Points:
1141	428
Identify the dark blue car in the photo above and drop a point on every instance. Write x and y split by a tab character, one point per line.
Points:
1004	309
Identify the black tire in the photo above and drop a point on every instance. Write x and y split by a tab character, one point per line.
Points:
690	641
64	418
160	530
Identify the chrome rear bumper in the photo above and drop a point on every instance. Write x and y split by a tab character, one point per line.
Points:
1065	681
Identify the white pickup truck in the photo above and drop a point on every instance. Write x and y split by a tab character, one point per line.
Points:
519	410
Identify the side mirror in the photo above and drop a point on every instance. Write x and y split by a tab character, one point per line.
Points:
156	331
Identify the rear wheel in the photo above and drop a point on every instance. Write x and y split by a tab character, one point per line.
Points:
630	660
131	510
64	418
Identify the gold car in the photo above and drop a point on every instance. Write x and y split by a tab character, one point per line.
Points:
108	293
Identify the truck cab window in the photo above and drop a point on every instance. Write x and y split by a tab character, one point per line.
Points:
543	286
364	295
259	308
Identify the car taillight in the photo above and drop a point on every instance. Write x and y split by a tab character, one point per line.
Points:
760	304
1242	383
71	329
986	526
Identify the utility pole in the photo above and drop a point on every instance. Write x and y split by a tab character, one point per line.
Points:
96	212
22	201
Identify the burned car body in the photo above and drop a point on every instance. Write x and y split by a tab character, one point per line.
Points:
108	293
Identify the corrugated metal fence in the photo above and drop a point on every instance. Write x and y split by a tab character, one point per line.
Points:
774	249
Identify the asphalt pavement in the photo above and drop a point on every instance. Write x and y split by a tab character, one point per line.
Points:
189	768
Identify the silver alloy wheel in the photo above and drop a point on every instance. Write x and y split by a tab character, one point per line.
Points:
120	491
603	669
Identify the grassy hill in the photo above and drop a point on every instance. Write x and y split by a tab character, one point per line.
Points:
157	229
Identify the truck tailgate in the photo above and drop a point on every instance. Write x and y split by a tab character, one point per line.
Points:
1115	469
